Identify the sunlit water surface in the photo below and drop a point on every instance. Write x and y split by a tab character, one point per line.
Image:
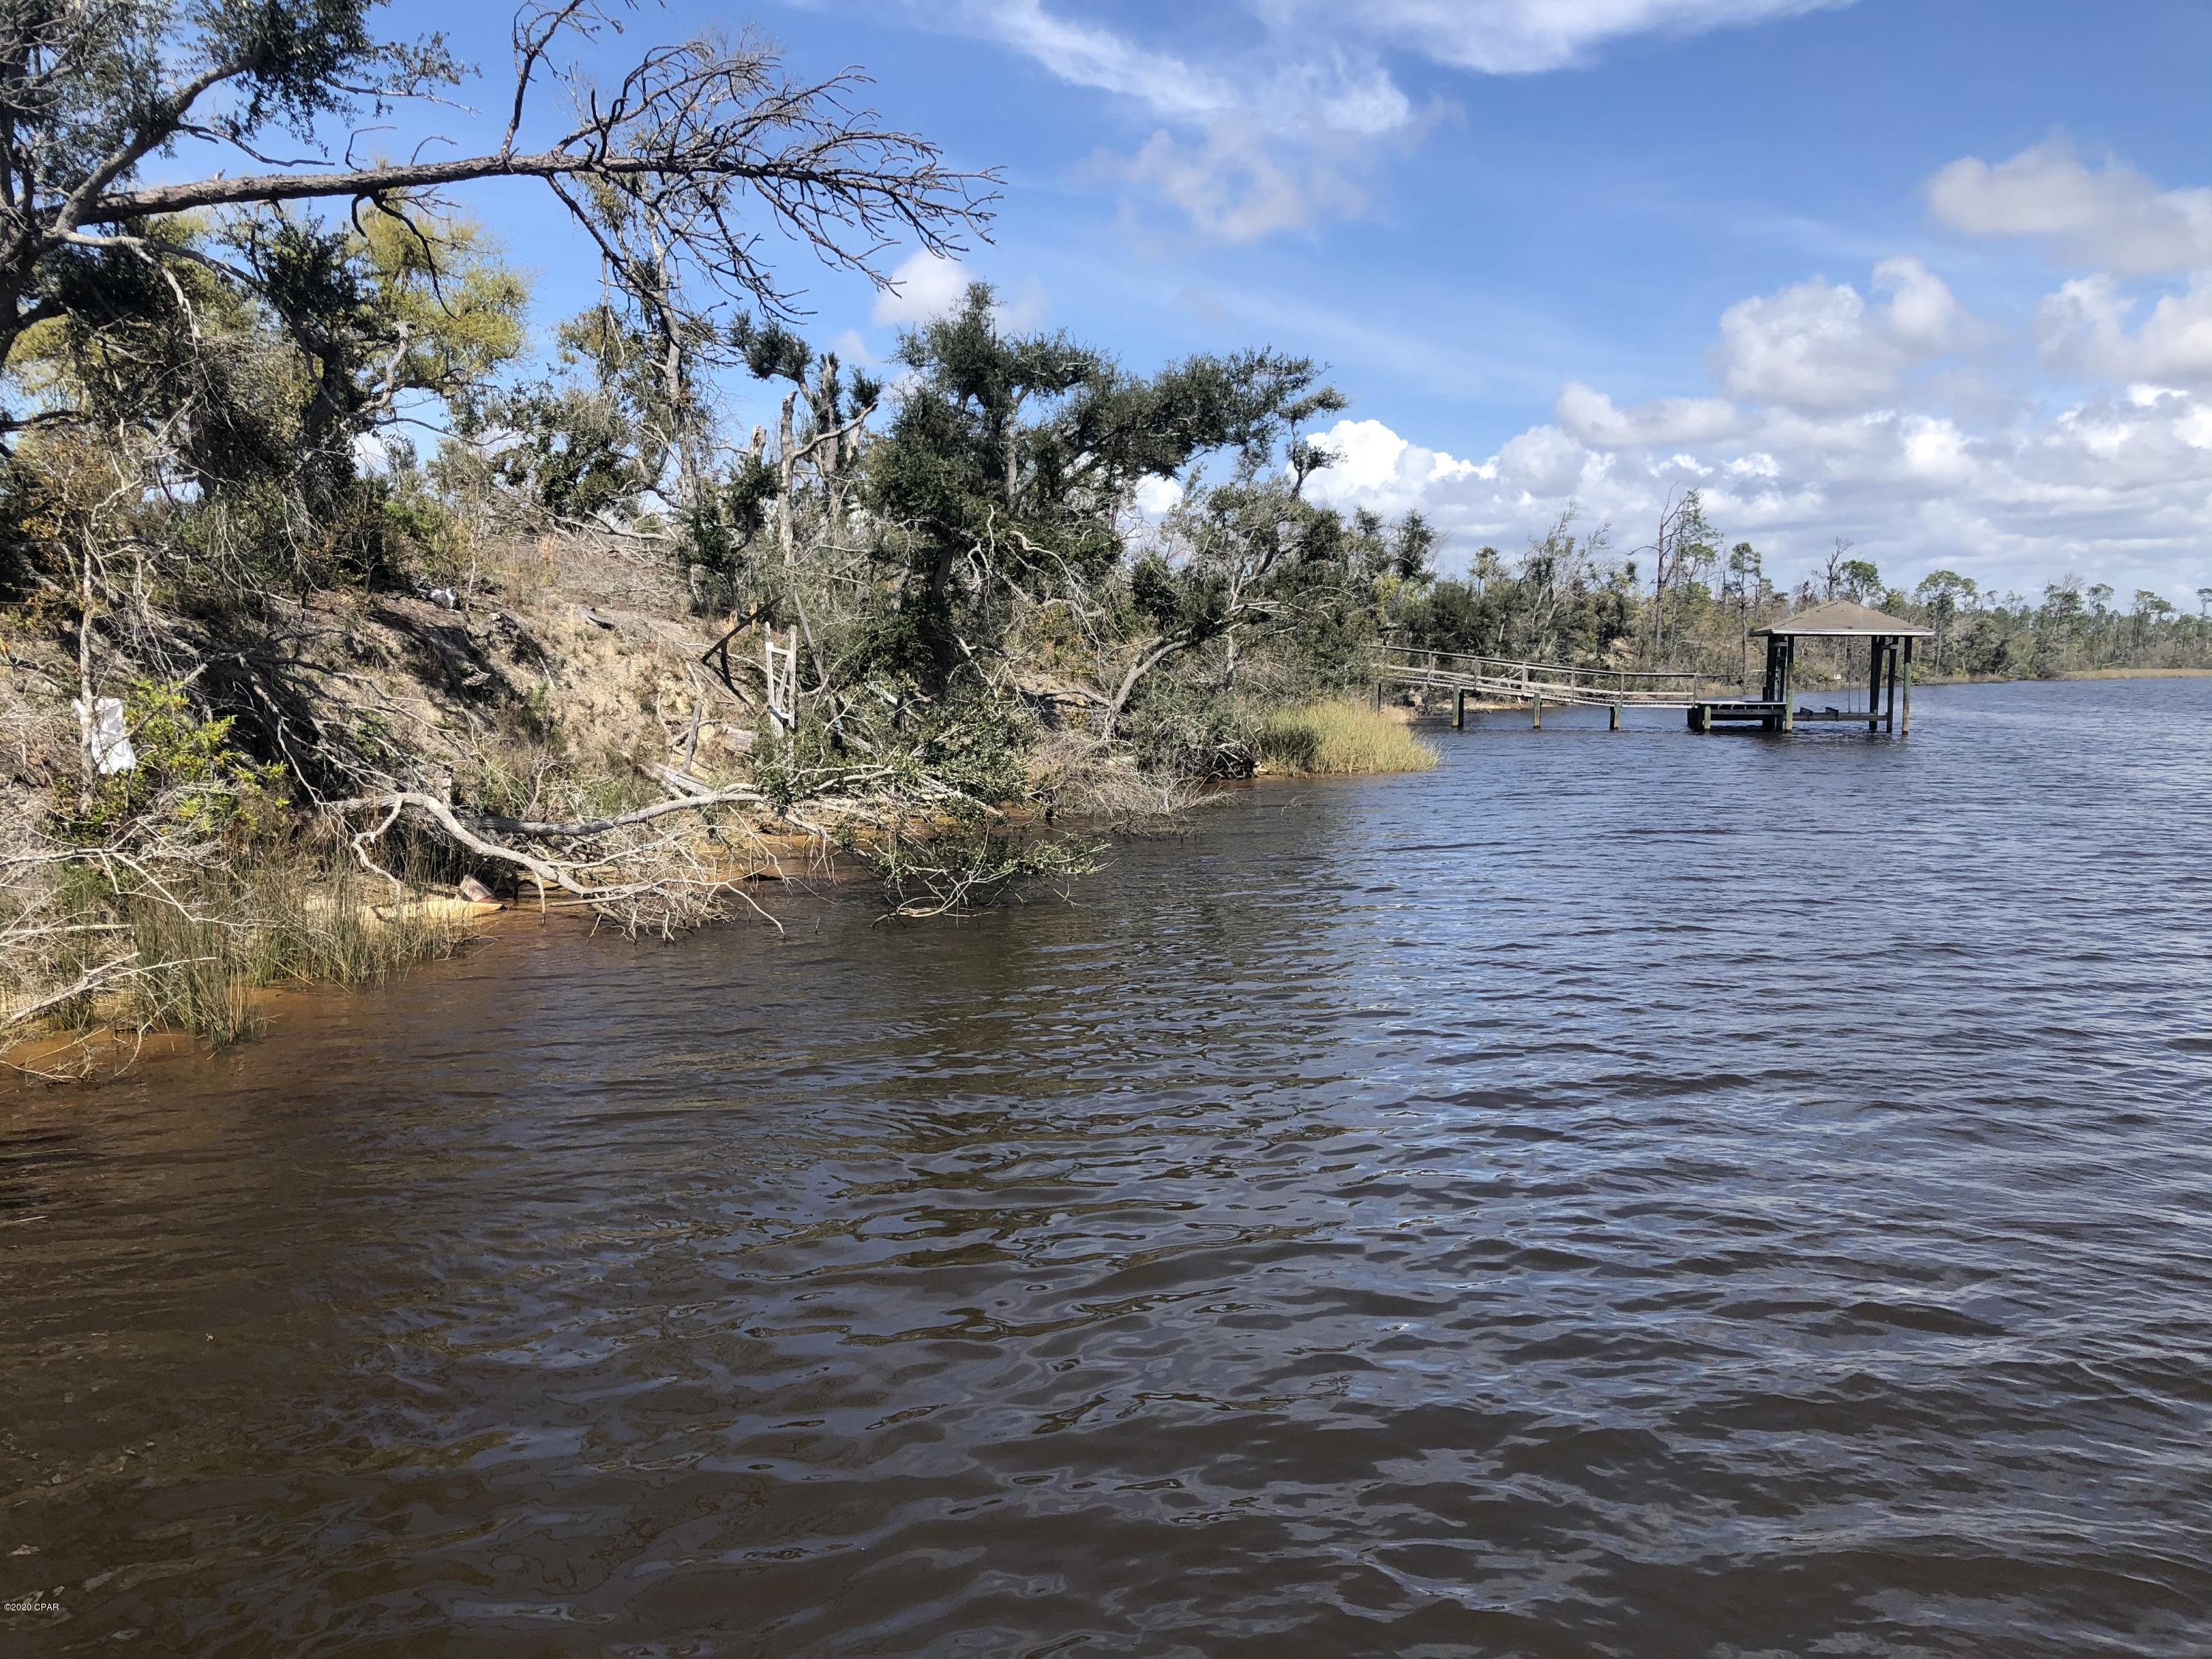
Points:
1628	1194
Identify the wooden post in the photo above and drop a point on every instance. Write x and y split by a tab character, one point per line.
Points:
1789	662
1378	696
1904	692
1459	709
1877	655
1536	723
1615	725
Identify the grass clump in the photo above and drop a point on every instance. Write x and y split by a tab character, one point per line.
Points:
1339	736
193	950
299	922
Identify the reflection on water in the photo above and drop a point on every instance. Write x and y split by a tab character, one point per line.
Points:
1619	1193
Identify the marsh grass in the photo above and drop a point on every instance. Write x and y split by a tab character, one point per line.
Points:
206	952
1322	738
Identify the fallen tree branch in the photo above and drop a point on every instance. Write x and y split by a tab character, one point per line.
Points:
587	827
579	830
442	814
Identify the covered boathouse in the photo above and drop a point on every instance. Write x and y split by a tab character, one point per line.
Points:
1889	672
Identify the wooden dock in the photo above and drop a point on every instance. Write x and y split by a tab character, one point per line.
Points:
1504	680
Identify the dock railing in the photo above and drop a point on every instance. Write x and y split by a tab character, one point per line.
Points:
1510	679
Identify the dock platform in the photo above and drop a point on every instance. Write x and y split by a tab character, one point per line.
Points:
1765	713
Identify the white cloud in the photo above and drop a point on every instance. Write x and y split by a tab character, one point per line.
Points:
2117	488
1236	185
1590	416
1807	347
1363	101
1373	465
852	350
1157	497
2082	330
2108	216
925	288
1522	37
1544	464
1820	346
1086	55
1924	318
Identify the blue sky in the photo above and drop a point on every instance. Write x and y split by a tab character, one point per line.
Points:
1937	278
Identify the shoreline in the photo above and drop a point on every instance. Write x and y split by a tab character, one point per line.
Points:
793	861
55	1056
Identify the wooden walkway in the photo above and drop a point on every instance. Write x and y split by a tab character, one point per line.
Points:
1506	680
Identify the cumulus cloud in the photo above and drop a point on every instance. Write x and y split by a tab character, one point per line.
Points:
2117	485
1590	416
1372	463
1809	347
2108	216
1157	497
853	350
924	287
1820	345
2082	329
1923	316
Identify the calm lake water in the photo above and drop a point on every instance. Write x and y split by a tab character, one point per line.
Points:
1619	1193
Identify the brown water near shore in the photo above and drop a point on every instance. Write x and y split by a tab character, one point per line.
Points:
1618	1193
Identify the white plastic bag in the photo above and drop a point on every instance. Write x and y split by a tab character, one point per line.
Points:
105	737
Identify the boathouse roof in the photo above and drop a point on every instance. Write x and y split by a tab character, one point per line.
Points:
1842	618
